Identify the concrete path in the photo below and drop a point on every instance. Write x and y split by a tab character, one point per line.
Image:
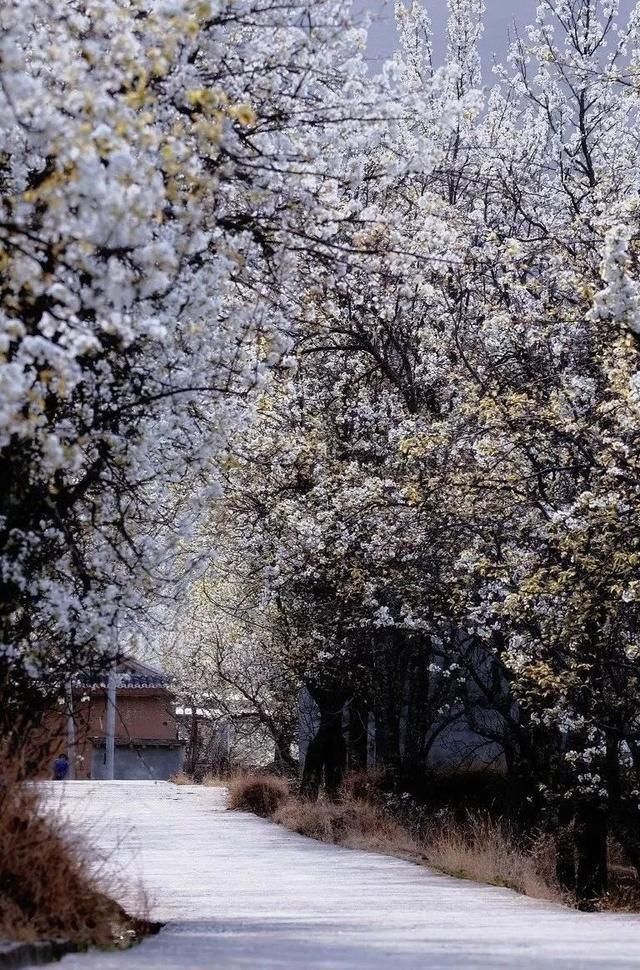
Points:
239	892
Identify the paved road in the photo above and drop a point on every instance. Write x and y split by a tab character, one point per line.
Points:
242	894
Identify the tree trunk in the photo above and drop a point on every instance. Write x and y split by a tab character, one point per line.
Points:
565	848
357	737
591	831
392	678
194	740
326	754
282	756
418	715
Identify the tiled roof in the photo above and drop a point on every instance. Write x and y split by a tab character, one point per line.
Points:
130	674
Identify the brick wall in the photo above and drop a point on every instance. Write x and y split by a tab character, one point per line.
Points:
143	714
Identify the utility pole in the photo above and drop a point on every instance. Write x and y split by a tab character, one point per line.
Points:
228	739
71	734
110	725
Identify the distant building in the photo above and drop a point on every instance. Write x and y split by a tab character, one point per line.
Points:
218	741
146	734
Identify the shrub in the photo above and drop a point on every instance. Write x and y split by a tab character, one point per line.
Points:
487	851
181	778
367	786
313	819
260	794
46	890
353	823
476	847
623	892
215	781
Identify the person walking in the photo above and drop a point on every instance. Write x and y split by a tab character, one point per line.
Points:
60	767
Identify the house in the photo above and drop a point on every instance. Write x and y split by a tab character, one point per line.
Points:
146	736
218	741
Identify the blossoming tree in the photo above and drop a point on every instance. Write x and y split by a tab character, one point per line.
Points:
161	166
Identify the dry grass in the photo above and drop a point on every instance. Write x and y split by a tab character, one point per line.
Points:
45	889
352	822
479	849
181	778
486	851
365	786
209	781
215	781
260	794
623	894
621	897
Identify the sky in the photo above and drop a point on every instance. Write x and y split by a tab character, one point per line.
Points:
499	18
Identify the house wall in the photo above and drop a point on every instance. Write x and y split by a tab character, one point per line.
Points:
138	764
142	715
